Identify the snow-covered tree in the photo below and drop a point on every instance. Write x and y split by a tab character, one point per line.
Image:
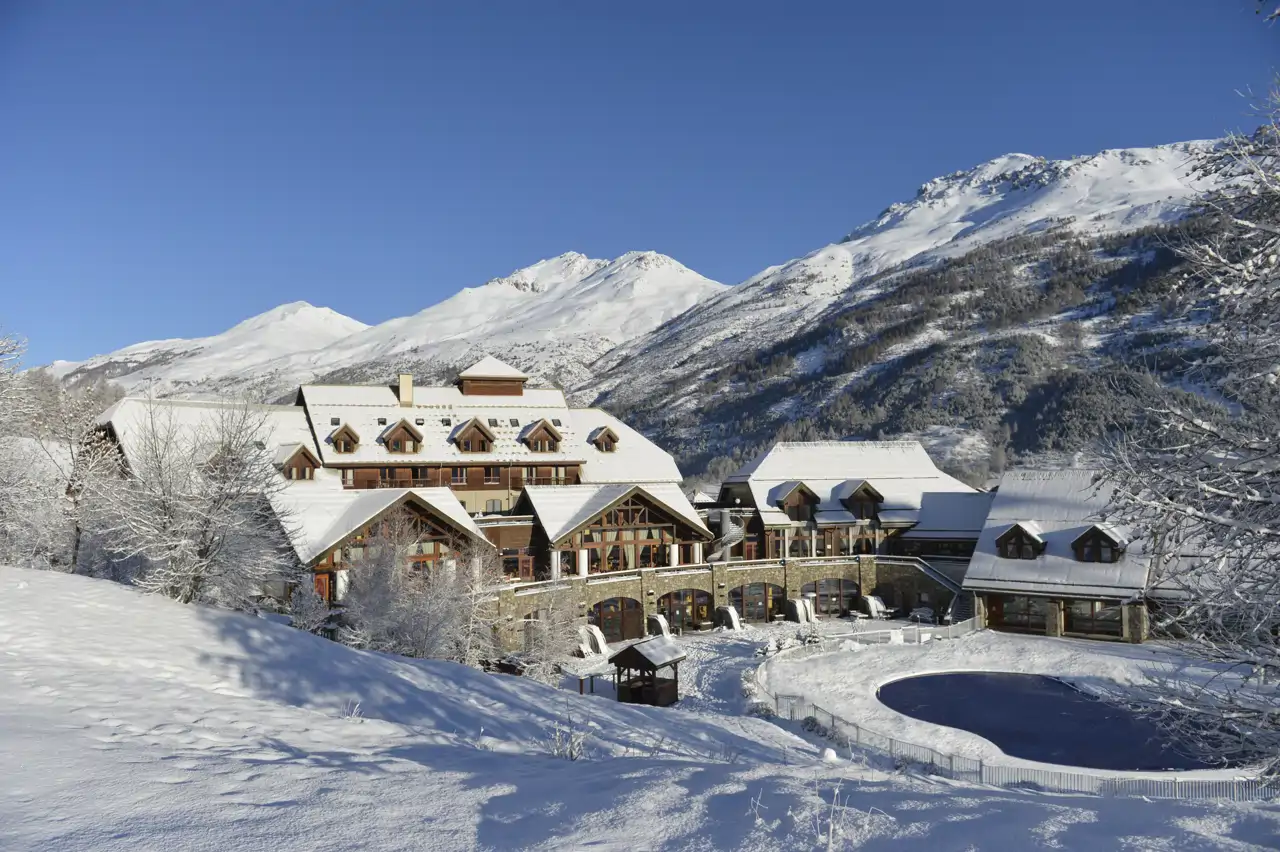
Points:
73	452
192	511
399	602
16	480
551	633
475	585
1201	483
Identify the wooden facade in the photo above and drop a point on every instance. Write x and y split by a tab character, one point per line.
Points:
430	541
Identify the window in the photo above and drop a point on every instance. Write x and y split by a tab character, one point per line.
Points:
334	421
559	476
606	444
515	422
459	476
493	506
555	422
395	445
419	422
445	421
530	474
1095	617
1016	544
343	445
492	475
475	445
1096	546
543	445
382	421
493	421
348	476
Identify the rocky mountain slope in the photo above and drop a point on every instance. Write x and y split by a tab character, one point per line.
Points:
553	318
902	327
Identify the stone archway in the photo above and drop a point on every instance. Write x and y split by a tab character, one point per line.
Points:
618	618
686	609
759	601
833	595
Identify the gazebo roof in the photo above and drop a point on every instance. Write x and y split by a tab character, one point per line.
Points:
649	655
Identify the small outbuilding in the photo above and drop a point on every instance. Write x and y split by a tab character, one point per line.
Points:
648	672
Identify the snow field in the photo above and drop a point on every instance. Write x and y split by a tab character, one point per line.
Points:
132	722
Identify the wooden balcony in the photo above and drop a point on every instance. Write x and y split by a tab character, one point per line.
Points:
423	483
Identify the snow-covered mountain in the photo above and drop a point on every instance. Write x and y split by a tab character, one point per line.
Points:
245	348
779	347
1112	191
553	318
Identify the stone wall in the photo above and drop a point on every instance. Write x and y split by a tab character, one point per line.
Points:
718	579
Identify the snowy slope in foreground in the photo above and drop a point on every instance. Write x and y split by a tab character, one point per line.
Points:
130	723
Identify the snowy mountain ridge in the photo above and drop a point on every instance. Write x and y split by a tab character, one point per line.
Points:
553	317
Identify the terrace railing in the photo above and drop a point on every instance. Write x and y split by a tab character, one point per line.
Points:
977	771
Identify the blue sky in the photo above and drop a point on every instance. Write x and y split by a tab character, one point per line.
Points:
168	169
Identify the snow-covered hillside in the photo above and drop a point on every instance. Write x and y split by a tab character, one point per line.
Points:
245	348
1014	194
553	318
129	722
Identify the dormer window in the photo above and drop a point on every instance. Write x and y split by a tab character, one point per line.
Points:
863	501
402	438
797	501
474	437
1020	541
542	437
344	440
605	440
1097	544
296	462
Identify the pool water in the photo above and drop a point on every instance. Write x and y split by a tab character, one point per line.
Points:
1037	718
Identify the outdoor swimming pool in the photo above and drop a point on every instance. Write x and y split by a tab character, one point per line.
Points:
1037	718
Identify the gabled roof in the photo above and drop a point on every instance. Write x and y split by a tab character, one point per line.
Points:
285	453
339	429
489	367
564	509
463	428
1057	506
528	431
782	491
853	486
901	472
649	654
1028	528
1111	531
402	422
599	433
321	513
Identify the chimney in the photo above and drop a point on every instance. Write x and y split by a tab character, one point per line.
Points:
406	390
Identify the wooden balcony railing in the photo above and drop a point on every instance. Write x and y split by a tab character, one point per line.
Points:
424	483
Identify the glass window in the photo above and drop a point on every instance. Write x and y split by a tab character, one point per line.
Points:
459	476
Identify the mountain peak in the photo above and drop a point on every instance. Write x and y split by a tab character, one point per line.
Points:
549	272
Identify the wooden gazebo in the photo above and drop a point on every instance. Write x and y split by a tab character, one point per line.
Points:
636	675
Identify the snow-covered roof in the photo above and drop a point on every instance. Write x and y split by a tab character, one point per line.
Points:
561	509
284	452
444	410
191	422
900	471
1057	506
951	514
320	513
657	652
490	367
